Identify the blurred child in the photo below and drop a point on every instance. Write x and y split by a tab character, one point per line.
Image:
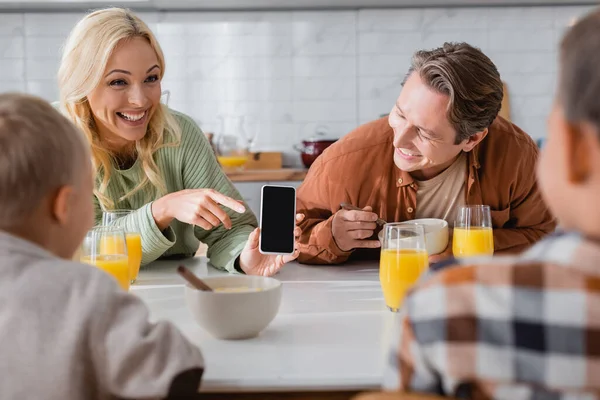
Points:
524	328
67	331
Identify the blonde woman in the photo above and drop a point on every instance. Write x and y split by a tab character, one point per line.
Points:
149	158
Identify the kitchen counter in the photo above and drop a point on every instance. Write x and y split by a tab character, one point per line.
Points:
331	334
256	175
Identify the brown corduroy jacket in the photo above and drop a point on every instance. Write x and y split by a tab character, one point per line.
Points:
359	169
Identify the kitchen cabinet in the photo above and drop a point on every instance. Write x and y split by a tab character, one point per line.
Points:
250	192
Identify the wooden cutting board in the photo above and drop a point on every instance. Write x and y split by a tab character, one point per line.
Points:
264	160
259	175
505	108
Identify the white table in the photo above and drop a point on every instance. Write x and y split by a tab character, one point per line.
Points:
331	333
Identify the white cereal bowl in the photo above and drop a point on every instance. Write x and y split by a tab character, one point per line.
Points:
235	315
436	233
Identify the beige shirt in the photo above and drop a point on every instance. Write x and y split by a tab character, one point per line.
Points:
67	331
441	196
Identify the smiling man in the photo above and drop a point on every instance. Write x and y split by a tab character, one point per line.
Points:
442	146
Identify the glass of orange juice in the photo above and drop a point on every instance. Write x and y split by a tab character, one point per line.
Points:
105	247
132	237
403	260
473	233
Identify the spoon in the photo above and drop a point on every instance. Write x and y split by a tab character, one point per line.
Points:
193	279
348	206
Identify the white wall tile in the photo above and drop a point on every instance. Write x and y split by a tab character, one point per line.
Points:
51	24
478	38
175	23
329	44
224	23
47	89
179	90
309	23
536	127
61	24
446	19
12	86
12	69
43	47
371	109
335	111
41	68
525	63
383	64
531	84
11	47
189	109
177	68
389	42
331	129
291	159
324	89
324	33
523	107
241	90
409	19
174	46
203	68
520	17
275	135
524	39
11	24
266	111
247	45
324	66
387	87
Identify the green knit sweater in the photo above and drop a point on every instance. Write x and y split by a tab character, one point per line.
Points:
191	165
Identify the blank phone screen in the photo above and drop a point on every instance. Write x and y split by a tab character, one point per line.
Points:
278	219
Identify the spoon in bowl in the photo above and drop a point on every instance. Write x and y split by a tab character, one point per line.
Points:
193	279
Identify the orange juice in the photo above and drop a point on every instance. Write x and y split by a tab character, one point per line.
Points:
112	245
474	241
398	271
134	253
232	161
115	265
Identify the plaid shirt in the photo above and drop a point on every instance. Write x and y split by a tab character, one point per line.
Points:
525	327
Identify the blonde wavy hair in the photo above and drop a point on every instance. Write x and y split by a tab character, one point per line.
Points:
85	56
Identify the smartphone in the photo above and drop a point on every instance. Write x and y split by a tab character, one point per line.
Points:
277	219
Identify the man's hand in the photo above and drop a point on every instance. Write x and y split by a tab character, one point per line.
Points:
351	228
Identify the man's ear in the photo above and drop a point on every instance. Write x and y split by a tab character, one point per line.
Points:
60	204
578	152
474	140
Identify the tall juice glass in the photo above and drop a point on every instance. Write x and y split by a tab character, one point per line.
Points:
105	247
403	260
473	233
133	238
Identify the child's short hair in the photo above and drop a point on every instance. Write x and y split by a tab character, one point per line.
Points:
40	151
579	82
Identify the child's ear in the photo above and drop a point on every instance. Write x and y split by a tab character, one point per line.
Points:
578	152
61	203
